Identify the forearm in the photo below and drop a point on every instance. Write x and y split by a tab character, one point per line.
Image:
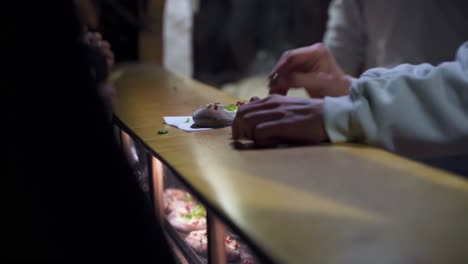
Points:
420	112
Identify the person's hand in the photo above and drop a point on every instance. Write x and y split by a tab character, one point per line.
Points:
95	39
280	119
107	94
313	68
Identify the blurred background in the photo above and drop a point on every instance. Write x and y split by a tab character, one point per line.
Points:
230	44
233	44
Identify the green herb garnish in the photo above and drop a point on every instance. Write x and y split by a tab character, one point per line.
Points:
188	120
198	211
187	197
231	108
162	131
188	216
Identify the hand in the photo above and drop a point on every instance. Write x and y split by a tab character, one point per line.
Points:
313	68
280	119
107	94
95	39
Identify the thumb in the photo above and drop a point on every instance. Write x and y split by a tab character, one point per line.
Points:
280	86
312	82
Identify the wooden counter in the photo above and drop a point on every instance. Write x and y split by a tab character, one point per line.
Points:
314	204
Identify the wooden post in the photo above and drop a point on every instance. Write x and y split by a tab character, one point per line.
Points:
158	185
128	146
151	42
216	237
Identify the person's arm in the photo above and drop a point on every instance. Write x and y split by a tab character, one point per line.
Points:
418	111
346	35
101	60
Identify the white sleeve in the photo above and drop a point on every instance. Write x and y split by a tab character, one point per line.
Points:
418	111
345	35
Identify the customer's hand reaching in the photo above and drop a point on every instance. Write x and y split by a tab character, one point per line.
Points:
95	39
280	119
313	68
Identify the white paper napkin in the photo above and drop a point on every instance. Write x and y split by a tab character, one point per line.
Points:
182	122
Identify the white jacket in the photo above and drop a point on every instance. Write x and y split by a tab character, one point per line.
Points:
364	34
419	111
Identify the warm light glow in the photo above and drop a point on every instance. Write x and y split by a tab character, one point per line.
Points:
158	184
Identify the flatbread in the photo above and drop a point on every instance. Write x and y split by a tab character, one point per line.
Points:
176	198
198	241
189	218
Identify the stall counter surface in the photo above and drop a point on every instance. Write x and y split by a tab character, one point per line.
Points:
308	204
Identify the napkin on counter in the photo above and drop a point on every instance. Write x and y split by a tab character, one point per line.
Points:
181	123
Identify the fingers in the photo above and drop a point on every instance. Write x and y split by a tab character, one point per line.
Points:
239	128
297	59
246	128
270	133
289	60
103	44
95	39
286	131
280	86
277	119
301	60
88	37
97	36
105	48
312	82
106	51
282	63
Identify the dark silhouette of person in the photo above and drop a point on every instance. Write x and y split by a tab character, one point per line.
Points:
70	194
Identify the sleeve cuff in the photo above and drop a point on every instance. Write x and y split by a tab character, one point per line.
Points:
337	115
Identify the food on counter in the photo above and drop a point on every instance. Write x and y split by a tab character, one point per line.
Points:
248	257
176	198
232	248
215	115
189	218
198	240
162	132
186	215
176	194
